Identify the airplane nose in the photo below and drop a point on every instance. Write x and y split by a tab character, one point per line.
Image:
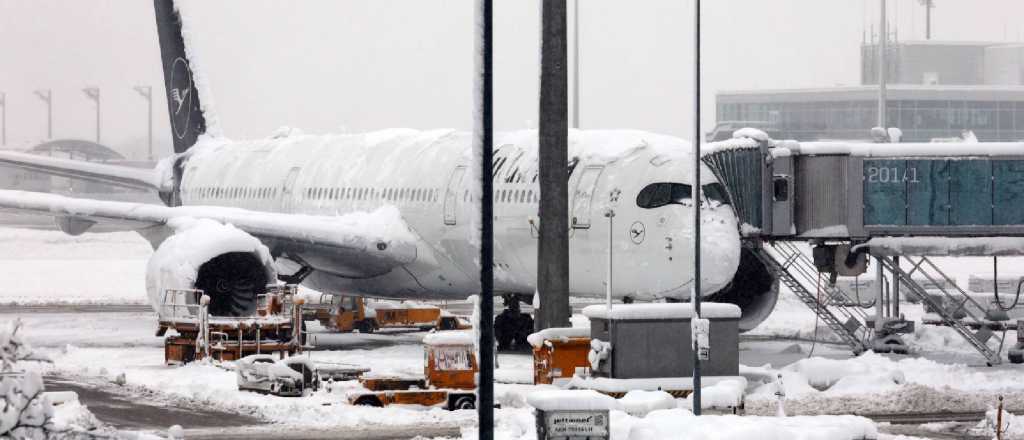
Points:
720	249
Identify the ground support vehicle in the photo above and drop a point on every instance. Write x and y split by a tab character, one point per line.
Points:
558	353
275	328
449	377
348	313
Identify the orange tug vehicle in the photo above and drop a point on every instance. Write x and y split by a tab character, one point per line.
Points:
449	382
348	313
558	353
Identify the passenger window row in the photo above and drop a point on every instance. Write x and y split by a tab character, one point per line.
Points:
388	194
511	196
232	192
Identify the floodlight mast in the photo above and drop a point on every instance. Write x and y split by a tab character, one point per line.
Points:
696	206
147	93
93	93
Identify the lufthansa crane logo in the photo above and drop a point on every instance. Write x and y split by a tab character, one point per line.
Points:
181	97
637	232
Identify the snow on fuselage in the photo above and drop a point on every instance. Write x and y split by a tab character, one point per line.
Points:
428	176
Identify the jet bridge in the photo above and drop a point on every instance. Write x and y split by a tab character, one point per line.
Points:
849	201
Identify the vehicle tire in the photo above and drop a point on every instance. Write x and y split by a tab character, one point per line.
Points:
368	401
504	330
364	326
1015	358
448	323
523	331
465	401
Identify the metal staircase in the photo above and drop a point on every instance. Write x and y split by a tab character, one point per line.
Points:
954	295
796	271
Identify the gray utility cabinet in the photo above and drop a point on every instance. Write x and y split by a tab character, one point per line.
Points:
659	344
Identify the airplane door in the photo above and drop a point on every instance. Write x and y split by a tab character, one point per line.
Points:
451	194
583	197
287	189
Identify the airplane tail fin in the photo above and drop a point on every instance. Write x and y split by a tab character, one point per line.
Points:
187	120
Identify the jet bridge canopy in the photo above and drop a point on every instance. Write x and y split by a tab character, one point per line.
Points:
859	191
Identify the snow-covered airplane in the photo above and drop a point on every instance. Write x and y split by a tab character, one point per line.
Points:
388	213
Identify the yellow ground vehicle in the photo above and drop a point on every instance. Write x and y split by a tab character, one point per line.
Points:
449	377
348	313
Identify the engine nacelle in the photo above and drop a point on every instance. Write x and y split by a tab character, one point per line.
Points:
226	263
753	289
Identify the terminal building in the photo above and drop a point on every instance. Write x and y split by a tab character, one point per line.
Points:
77	149
935	90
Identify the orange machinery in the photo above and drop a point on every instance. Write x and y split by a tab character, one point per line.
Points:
558	352
274	329
347	313
449	377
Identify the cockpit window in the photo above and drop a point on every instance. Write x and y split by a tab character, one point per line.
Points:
715	192
657	195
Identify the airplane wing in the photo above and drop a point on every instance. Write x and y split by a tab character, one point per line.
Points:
141	178
359	244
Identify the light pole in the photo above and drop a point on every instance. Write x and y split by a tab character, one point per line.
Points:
696	204
3	118
93	93
147	92
883	68
47	96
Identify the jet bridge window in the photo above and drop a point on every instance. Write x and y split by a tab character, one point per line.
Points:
715	192
657	195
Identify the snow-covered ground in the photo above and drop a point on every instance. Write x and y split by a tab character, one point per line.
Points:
41	266
50	267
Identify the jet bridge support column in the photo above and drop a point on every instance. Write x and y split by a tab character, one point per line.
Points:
888	325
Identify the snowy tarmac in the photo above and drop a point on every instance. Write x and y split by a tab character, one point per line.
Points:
82	302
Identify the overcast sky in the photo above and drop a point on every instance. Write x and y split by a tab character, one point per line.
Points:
357	65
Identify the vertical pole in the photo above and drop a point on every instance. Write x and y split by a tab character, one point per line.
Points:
149	132
553	246
97	116
896	281
696	203
576	64
611	247
483	138
49	114
883	67
879	294
928	19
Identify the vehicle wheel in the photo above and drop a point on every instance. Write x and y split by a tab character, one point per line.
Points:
523	331
364	327
1016	358
463	402
368	401
449	323
504	330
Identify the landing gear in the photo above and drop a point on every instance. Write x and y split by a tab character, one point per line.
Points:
512	326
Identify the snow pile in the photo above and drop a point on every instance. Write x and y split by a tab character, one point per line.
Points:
572	400
946	245
822	373
752	133
600	351
26	411
638	403
1011	425
721	395
450	337
557	334
661	311
680	424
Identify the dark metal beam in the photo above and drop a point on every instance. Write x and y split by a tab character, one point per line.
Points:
483	136
553	248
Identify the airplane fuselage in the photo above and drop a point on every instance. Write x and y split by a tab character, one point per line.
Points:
429	177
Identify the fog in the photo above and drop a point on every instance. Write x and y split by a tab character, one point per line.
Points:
357	65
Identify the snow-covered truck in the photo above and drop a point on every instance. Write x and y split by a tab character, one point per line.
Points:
348	313
449	377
